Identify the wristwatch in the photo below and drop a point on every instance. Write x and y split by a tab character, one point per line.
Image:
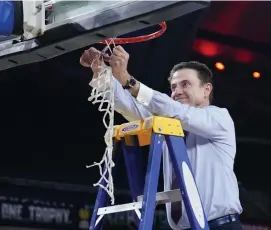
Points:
130	83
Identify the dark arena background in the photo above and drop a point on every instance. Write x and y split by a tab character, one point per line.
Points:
49	131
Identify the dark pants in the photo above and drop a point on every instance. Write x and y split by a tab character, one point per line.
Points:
233	225
236	225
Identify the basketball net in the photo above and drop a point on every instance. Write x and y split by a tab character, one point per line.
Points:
103	93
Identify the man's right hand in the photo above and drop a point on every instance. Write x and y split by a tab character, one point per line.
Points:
91	58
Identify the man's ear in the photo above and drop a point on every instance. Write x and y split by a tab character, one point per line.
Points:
208	89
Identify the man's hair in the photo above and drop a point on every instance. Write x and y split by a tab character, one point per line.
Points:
205	75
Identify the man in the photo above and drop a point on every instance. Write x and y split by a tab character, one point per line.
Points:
210	142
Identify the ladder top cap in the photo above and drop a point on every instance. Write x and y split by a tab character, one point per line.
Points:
156	124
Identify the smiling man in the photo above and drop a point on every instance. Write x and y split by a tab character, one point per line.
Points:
210	139
191	83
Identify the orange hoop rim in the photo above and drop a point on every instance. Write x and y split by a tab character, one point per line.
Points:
138	39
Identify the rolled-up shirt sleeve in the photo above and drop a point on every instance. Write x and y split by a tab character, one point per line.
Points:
210	122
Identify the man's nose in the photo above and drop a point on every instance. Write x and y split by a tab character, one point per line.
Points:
178	90
177	93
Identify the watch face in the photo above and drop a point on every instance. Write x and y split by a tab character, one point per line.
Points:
132	82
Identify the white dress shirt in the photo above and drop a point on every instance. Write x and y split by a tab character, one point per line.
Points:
211	148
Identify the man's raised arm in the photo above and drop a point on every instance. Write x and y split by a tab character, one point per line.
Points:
125	104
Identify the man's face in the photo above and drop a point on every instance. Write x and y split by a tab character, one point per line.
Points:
186	88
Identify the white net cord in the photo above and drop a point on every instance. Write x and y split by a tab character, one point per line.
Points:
103	93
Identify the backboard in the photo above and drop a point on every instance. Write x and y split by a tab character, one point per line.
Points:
40	30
